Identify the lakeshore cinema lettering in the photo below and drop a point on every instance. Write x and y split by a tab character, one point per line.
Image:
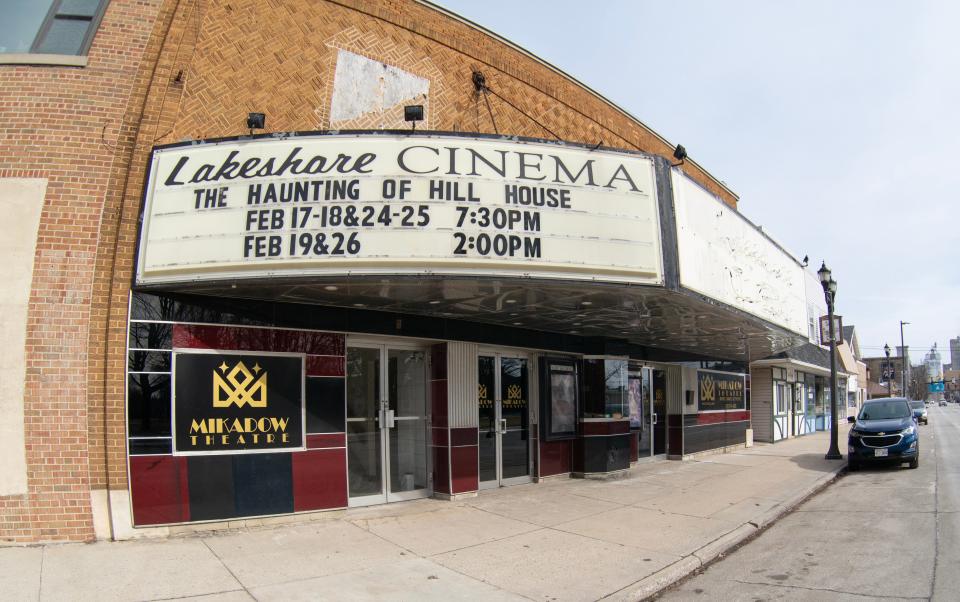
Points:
237	403
323	204
720	391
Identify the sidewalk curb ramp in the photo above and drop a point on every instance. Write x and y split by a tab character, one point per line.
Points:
652	585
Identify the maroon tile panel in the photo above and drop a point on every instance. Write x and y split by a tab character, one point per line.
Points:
675	440
319	479
325	365
438	402
606	427
463	474
441	469
196	336
438	361
158	490
324	440
718	417
554	457
441	436
463	436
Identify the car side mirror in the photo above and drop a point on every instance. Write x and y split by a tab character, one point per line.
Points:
851	419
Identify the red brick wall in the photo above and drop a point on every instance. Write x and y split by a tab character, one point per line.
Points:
65	124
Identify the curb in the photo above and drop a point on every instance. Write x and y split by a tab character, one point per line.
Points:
652	585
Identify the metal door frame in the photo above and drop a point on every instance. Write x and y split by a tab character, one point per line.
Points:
651	418
498	354
386	496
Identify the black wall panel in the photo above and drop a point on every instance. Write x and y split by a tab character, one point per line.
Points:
263	484
325	405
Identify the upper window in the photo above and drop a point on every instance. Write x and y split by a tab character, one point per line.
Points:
49	26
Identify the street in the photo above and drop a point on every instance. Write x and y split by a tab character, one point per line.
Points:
880	533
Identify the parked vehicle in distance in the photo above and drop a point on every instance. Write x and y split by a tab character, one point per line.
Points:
919	412
943	403
884	431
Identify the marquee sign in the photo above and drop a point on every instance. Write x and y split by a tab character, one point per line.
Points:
721	391
393	204
237	403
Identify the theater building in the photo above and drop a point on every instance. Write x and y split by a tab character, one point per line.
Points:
299	255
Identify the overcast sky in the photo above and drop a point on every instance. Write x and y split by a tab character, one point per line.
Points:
835	122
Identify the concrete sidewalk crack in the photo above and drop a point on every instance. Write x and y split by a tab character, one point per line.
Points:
832	591
226	591
43	557
229	570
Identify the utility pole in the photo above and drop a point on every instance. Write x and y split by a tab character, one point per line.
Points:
903	361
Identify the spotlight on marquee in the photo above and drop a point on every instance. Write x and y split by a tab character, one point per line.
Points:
679	154
256	121
413	114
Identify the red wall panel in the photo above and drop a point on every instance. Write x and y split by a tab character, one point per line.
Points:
158	490
554	457
319	479
463	465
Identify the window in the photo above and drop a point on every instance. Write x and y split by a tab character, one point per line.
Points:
604	388
64	27
781	398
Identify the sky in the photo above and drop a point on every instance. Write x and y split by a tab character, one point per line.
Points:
836	123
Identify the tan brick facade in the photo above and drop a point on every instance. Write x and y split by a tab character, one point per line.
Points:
161	71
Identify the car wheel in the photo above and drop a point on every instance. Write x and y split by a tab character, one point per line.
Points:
915	462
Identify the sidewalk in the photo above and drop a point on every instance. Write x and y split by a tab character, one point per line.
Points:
565	539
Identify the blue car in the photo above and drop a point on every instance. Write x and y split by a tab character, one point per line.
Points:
885	431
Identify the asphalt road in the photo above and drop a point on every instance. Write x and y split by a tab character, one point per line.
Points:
877	534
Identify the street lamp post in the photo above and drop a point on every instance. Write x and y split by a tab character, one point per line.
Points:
829	293
887	372
903	362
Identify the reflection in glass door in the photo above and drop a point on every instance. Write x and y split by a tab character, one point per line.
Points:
659	412
407	408
504	425
641	409
364	453
386	424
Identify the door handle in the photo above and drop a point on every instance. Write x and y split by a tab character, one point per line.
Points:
503	425
655	419
390	419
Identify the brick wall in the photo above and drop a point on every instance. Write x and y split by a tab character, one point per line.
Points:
160	71
63	124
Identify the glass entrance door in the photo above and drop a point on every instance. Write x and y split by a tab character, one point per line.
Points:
640	389
659	412
386	424
504	425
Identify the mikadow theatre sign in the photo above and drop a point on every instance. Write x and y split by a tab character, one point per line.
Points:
236	403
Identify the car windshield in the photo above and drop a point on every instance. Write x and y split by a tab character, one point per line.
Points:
885	410
916	405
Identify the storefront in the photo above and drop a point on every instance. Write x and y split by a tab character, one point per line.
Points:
303	257
321	322
791	394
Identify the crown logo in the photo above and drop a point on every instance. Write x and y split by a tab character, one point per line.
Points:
514	392
708	388
238	385
482	391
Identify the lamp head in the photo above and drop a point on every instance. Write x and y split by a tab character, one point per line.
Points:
824	273
832	286
886	349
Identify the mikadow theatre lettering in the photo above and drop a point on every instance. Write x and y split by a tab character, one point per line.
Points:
237	403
